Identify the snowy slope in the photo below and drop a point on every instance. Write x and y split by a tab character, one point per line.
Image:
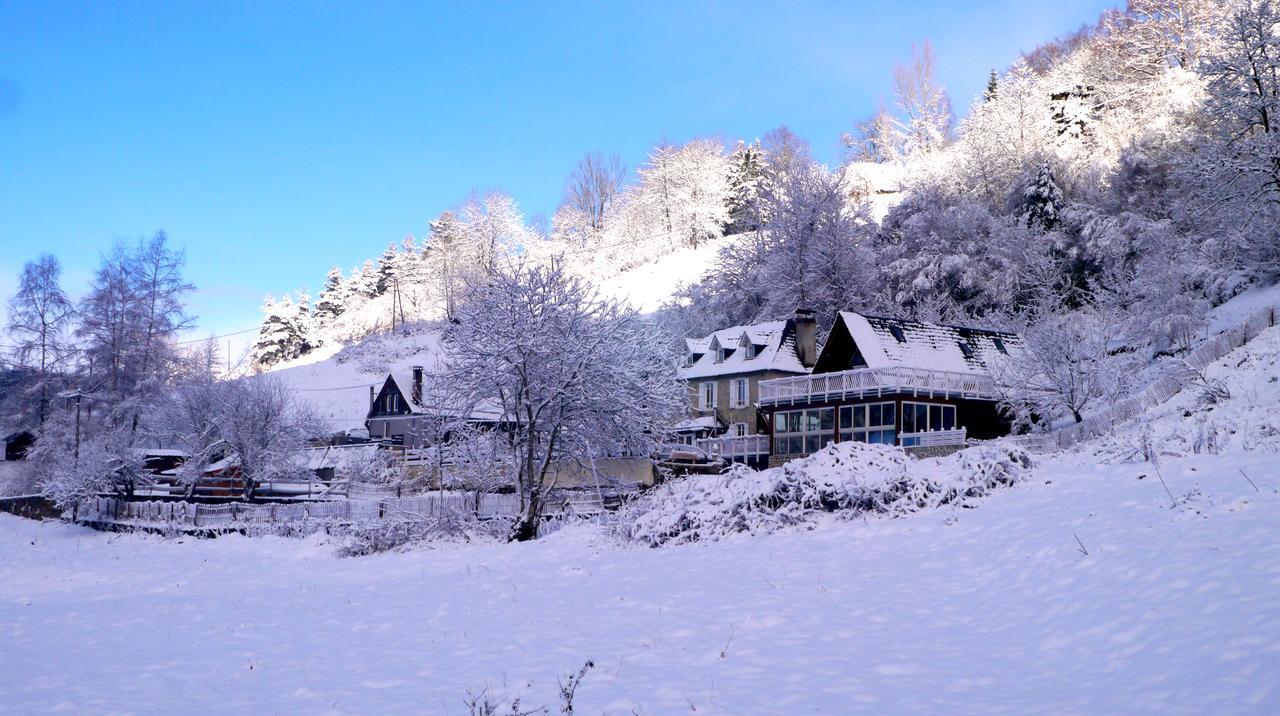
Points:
337	387
649	286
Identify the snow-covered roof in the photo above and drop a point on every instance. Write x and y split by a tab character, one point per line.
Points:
337	455
774	349
702	422
895	342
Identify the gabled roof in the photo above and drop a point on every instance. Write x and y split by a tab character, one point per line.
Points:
775	349
402	381
882	342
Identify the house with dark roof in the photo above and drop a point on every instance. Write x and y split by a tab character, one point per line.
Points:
923	386
403	413
724	370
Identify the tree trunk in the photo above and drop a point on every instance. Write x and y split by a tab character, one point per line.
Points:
526	527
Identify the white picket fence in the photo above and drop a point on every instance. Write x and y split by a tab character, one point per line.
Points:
188	515
1155	394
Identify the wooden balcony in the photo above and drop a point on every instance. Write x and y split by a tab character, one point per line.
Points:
876	382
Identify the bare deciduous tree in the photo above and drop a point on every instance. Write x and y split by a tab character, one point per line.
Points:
592	186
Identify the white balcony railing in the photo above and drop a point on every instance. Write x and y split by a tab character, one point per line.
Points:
933	438
731	447
863	382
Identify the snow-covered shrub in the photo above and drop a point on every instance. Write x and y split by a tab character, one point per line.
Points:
848	479
367	538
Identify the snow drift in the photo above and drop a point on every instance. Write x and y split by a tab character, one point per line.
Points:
848	479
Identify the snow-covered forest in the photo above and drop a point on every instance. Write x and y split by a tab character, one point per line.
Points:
1104	192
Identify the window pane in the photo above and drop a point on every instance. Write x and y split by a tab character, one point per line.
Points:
935	417
859	416
780	446
875	414
860	436
846	436
887	414
890	437
793	421
826	420
922	417
846	417
812	443
794	444
948	417
779	422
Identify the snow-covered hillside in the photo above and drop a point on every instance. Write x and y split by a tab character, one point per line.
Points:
1102	583
336	385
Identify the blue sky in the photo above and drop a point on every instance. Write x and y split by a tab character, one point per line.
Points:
272	140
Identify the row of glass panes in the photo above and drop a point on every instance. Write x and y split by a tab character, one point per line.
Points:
797	432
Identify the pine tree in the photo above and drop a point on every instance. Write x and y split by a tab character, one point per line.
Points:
388	269
747	188
993	86
1043	200
333	298
283	334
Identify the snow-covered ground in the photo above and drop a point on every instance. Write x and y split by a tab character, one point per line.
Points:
1099	584
993	608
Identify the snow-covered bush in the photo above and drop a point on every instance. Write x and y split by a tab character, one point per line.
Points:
367	538
848	479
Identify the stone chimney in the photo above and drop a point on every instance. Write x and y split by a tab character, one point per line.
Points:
806	337
373	395
417	385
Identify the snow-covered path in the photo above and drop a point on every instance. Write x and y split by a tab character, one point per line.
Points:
987	609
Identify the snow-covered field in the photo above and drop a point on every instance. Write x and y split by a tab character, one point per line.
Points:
994	608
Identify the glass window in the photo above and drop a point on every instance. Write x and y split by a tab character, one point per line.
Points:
803	431
867	422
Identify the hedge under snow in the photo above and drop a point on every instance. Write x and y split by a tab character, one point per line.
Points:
848	479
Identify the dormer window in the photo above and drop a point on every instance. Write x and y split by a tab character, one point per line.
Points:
752	351
999	345
898	335
966	349
722	353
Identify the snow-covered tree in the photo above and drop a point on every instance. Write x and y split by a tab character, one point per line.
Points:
40	319
748	188
572	375
589	193
264	427
1065	367
1042	200
129	318
817	256
685	190
333	298
284	333
445	242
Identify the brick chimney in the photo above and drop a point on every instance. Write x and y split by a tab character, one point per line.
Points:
417	385
806	337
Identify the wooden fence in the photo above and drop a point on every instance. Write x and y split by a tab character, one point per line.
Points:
1155	394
